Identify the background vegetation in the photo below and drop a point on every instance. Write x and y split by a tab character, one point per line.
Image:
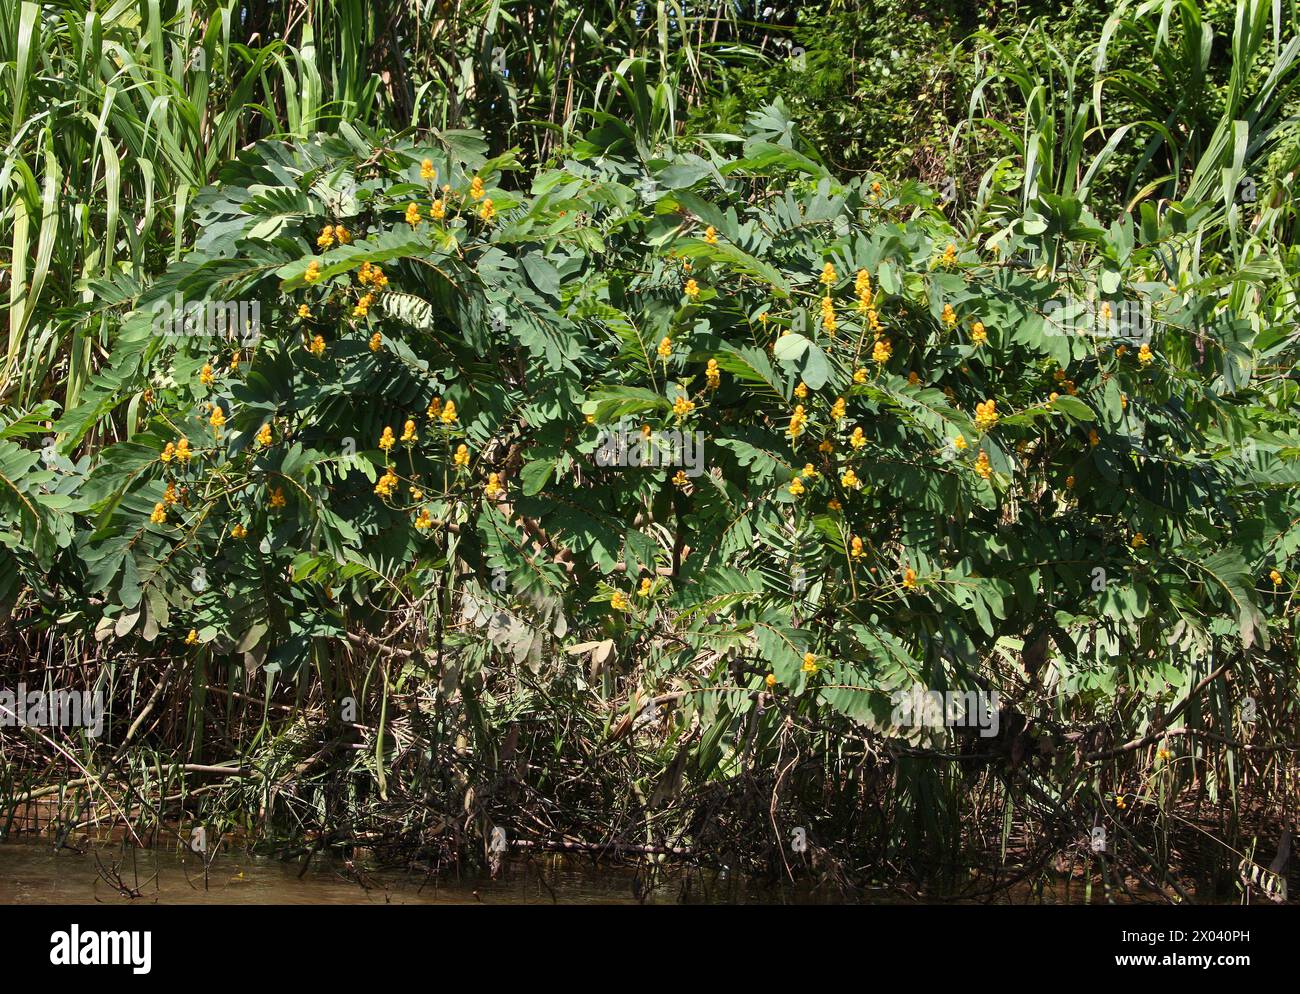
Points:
337	676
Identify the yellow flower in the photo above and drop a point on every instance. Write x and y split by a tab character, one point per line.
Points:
476	188
950	255
801	391
326	237
448	415
304	311
679	479
205	374
828	276
881	351
646	586
850	481
169	495
363	306
1093	438
234	362
488	211
342	234
377	278
1164	755
982	466
986	415
665	347
828	315
169	450
798	420
264	434
1119	802
461	458
808	470
978	335
912	378
192	638
217	419
618	601
183	452
959	443
1123	402
1069	483
422	520
770	680
493	485
909	578
435	408
1276	577
710	236
856	549
277	498
837	409
238	531
408	432
826	445
796	487
416	493
159	515
1138	541
313	271
317	346
713	375
949	316
862	282
376	342
860	375
809	663
692	289
1105	310
833	504
387	484
438	210
1144	355
427	172
682	406
857	439
386	440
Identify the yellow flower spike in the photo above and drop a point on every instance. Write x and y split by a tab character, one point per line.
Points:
386	440
682	407
881	351
801	391
982	466
949	316
770	680
409	433
665	347
342	234
313	271
618	601
413	214
168	452
679	479
796	487
712	375
326	237
857	439
422	520
376	342
978	335
493	487
710	236
828	276
986	415
1145	358
862	282
205	374
834	505
808	470
913	379
856	548
646	587
476	188
1069	483
217	419
427	172
435	408
798	421
1093	438
959	443
461	458
850	481
448	415
169	495
909	578
416	493
192	638
1138	541
304	311
438	210
317	346
860	375
183	452
488	211
238	531
387	484
1276	577
838	409
264	435
826	445
277	498
692	289
159	515
809	663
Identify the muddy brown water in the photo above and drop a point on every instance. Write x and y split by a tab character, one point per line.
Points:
33	872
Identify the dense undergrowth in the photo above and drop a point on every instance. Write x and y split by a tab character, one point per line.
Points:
620	496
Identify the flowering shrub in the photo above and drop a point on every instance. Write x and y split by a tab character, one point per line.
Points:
459	438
